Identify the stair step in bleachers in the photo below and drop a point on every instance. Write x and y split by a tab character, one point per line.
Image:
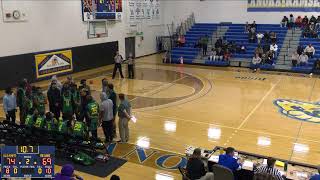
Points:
188	52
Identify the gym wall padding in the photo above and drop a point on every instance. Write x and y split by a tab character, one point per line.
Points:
16	67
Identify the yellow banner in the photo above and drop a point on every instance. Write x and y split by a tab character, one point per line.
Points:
53	63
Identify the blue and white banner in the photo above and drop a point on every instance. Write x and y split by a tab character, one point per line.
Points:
283	5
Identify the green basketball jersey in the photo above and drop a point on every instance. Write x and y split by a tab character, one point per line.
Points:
51	124
79	129
29	120
93	110
67	103
39	122
62	127
41	106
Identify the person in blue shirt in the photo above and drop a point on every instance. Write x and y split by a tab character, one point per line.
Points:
10	105
227	160
317	176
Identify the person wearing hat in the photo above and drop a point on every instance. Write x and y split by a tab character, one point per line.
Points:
67	173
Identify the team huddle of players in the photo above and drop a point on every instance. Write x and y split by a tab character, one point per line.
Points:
80	112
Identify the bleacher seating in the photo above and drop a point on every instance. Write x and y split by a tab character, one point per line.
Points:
188	52
304	42
236	33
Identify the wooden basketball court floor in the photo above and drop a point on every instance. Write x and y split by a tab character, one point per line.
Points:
269	113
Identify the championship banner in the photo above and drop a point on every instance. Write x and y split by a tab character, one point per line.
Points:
283	5
53	63
144	10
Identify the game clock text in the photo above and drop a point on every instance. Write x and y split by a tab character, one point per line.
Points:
27	161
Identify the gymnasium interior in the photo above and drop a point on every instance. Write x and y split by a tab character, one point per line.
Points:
160	89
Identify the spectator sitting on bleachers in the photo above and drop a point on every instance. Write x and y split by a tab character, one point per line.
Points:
246	27
291	21
306	31
252	36
212	54
227	55
274	49
254	25
266	37
303	59
218	43
284	21
266	48
317	176
298	21
300	50
313	20
232	46
305	21
310	51
266	59
318	23
294	59
195	167
273	37
259	37
258	51
256	61
219	54
227	160
269	169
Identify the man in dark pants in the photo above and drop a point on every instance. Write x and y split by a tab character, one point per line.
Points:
131	66
21	101
117	60
106	117
113	97
54	98
10	105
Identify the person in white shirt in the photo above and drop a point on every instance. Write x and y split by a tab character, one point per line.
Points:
294	59
256	60
303	59
106	116
212	55
260	37
117	60
310	51
274	49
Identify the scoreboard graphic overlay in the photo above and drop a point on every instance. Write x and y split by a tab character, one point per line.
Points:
27	161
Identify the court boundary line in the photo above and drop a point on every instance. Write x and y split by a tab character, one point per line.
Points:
258	105
301	122
228	127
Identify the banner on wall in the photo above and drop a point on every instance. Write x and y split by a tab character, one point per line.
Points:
53	63
144	10
101	9
283	5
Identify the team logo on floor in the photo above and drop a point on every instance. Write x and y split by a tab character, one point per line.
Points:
300	110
